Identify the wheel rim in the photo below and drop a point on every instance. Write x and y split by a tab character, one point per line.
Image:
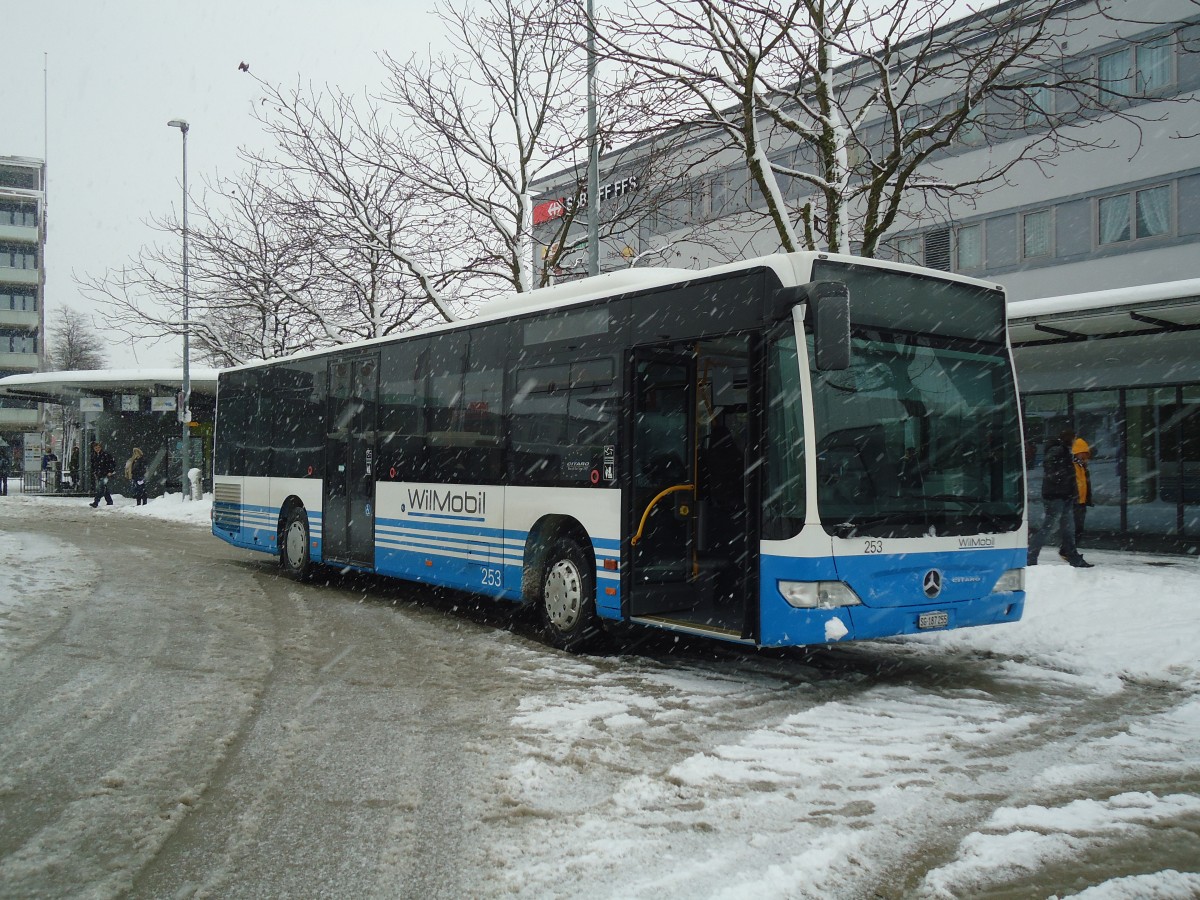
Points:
297	543
563	595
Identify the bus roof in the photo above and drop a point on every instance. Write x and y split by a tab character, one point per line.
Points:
791	268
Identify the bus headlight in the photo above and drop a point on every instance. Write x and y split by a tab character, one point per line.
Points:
1012	580
818	594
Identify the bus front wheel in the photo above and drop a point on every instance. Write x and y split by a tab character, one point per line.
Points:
293	548
568	595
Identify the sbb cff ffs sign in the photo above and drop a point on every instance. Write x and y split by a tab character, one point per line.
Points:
548	210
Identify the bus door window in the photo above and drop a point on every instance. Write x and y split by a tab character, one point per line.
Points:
664	483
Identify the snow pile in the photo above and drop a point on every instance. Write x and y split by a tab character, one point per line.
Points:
1132	617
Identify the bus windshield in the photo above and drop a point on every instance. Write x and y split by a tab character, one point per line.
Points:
919	436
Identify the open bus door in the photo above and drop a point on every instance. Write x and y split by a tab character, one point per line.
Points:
661	511
688	555
348	518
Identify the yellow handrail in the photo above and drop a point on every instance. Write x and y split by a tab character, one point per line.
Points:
642	524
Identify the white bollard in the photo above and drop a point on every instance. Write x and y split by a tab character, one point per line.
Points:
194	479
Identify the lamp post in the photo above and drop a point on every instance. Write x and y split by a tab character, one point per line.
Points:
593	179
185	413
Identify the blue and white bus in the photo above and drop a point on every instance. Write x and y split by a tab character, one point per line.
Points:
803	448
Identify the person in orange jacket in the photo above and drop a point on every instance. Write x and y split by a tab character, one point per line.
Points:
1081	453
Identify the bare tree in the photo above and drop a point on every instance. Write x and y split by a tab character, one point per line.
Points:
245	270
75	343
838	110
370	223
480	124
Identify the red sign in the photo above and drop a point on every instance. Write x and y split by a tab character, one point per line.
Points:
550	209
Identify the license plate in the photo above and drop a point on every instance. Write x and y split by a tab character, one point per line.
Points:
933	620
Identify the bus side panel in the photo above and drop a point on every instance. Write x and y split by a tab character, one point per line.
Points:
783	625
450	535
241	514
597	510
310	492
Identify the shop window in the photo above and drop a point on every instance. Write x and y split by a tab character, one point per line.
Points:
1189	460
1097	418
1151	453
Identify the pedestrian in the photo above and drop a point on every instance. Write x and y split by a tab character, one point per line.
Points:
73	467
135	470
1059	494
5	465
103	468
1082	454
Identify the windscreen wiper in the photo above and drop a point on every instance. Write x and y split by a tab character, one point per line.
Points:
851	527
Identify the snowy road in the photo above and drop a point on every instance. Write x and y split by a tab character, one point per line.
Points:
207	729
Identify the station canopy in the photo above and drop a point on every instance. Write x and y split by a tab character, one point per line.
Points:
67	387
1166	308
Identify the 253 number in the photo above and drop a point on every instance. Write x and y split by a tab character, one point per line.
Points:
491	577
873	547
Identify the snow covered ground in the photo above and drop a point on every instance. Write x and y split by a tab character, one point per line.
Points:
1060	751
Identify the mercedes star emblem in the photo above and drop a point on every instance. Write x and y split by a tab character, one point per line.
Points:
932	585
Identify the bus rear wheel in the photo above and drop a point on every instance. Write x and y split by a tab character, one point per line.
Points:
568	597
294	555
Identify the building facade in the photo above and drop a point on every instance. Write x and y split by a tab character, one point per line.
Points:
22	286
1107	219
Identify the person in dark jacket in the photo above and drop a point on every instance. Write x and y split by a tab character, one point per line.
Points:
1059	496
103	467
5	465
137	476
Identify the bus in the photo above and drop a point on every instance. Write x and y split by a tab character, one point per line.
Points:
804	448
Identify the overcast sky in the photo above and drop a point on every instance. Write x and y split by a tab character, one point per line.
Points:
118	70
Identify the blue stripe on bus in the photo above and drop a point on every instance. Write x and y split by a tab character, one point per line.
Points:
433	552
259	527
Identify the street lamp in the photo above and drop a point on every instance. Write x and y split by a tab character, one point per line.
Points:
185	413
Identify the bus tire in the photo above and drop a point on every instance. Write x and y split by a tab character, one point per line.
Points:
294	556
567	597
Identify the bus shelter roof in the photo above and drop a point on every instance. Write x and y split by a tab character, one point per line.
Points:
1146	309
66	387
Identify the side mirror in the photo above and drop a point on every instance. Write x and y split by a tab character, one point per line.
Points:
829	318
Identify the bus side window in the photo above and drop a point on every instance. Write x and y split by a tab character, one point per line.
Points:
402	412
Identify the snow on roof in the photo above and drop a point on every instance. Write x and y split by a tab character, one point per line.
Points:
80	381
1187	289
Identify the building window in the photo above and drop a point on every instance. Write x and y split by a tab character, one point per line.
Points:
1142	214
1114	219
1154	65
18	299
970	134
18	342
1035	234
18	212
909	250
1153	211
969	244
1115	74
1144	69
1039	104
18	256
